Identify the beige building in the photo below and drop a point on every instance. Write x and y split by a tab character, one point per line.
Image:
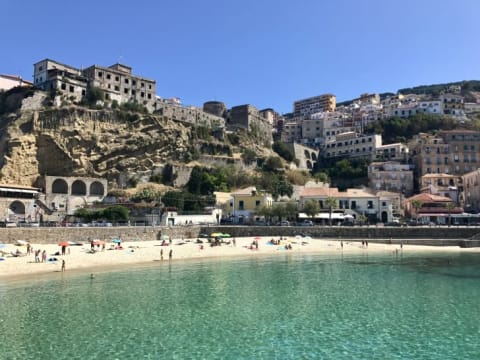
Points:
470	198
312	105
391	176
445	185
8	82
451	152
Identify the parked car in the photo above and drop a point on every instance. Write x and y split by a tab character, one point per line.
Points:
284	223
306	223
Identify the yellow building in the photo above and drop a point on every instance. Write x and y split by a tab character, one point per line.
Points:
245	202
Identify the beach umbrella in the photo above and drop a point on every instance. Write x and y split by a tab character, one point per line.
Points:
226	235
307	238
216	234
98	242
64	243
116	241
203	235
258	238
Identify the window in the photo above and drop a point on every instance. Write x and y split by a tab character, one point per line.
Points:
134	83
71	89
142	84
117	78
117	88
241	205
149	96
125	90
40	68
384	203
108	76
370	204
63	86
353	204
100	74
83	92
257	203
133	92
149	87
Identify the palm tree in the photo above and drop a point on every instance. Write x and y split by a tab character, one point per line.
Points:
417	204
450	206
331	202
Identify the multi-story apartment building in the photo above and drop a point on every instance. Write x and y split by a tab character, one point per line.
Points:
451	152
391	176
395	152
351	144
116	82
453	104
312	105
291	132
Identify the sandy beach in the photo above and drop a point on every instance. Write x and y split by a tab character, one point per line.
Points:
80	257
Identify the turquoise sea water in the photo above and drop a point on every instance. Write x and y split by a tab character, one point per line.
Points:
281	307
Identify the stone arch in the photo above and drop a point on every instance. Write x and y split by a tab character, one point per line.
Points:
17	208
307	154
96	188
79	188
314	156
59	186
309	164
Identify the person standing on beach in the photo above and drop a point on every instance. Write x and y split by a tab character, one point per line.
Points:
170	254
161	254
63	265
341	244
44	256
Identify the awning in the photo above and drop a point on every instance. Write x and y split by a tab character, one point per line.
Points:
324	216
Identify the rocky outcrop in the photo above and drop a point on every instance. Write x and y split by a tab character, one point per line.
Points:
113	144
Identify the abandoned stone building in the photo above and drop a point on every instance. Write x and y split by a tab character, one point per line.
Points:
116	82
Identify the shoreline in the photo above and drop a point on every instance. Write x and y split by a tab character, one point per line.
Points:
147	253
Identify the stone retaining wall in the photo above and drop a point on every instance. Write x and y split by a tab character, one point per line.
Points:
441	236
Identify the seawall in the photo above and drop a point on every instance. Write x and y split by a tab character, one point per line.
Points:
436	236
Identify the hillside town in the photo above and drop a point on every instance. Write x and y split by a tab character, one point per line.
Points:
430	179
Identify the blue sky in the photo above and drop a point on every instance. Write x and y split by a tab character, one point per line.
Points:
268	53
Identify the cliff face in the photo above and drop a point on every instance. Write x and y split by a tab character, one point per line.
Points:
80	142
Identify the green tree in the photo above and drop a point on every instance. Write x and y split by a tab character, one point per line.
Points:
273	163
416	204
279	211
249	156
265	212
331	203
146	194
311	208
450	206
115	213
281	149
291	210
